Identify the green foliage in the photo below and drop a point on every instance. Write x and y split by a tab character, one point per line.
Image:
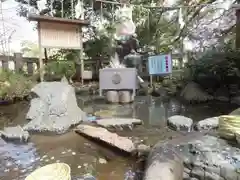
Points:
155	26
14	85
221	64
225	63
61	64
60	68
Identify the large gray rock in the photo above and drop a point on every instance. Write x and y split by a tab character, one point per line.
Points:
55	109
163	164
210	158
180	123
164	160
194	93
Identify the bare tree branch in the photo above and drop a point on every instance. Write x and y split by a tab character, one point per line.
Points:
194	15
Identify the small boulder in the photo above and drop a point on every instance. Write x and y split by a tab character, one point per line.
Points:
102	161
207	124
15	133
180	123
194	93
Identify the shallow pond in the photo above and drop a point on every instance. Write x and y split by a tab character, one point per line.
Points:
18	160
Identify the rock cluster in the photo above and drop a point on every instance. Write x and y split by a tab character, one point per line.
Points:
195	156
210	158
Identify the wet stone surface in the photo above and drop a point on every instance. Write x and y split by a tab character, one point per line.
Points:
17	161
211	158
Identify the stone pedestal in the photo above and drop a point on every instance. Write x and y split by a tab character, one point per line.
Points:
112	97
125	97
119	97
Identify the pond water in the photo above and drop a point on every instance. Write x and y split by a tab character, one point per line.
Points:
18	160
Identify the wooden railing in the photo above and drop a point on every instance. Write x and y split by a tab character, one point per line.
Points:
30	65
19	63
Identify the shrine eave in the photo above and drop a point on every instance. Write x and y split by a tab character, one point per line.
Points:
44	18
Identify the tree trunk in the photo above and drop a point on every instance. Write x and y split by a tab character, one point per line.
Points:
78	74
45	56
237	43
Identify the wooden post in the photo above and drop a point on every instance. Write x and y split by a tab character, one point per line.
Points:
30	68
5	65
18	59
81	57
151	80
41	65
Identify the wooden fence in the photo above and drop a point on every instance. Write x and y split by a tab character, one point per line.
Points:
18	63
30	65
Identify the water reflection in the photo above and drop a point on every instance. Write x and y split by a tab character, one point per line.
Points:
157	115
154	111
17	159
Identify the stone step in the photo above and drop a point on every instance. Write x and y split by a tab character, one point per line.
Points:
103	135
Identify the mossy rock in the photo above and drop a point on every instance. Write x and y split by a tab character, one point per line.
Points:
229	126
193	93
236	112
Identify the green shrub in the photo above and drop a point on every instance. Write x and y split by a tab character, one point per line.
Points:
60	68
14	85
217	67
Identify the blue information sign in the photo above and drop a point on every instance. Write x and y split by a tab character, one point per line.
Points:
160	64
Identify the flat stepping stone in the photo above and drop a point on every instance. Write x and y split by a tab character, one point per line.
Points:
111	122
14	133
180	123
102	134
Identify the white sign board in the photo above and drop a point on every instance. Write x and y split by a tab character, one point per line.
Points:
57	35
160	64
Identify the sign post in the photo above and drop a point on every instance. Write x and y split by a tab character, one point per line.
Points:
159	65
